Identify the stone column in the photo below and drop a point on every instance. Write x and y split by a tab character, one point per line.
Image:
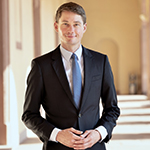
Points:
145	47
4	62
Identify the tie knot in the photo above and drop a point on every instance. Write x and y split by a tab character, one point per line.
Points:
74	56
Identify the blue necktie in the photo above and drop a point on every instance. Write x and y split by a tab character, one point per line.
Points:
77	80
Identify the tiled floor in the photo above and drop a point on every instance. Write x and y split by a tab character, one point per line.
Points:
131	133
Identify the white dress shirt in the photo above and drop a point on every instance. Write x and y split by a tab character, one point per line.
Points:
67	62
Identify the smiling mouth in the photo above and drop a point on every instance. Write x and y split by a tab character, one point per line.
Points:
70	36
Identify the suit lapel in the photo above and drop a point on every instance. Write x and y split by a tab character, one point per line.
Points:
88	61
60	71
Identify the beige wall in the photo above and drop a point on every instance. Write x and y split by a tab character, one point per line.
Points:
48	10
114	29
21	31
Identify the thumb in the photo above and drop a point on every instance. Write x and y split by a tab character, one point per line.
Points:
86	133
78	132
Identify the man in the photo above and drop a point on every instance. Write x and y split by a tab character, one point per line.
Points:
72	114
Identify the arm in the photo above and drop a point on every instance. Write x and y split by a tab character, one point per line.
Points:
33	99
111	111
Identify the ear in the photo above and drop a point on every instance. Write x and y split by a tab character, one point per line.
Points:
84	27
56	26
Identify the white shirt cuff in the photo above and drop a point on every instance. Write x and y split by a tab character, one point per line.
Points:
102	131
54	134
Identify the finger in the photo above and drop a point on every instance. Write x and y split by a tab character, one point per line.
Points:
85	134
90	138
83	141
81	145
76	131
67	137
76	137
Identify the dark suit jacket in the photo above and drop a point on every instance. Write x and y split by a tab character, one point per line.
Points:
48	85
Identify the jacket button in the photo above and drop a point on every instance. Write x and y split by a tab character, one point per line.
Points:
79	115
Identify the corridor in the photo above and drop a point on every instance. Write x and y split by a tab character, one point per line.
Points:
119	29
132	131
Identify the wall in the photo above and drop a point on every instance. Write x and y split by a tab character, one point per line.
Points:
48	34
115	26
21	53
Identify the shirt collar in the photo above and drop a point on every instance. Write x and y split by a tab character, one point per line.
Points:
67	54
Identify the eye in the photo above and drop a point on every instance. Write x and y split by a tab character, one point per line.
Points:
76	24
66	24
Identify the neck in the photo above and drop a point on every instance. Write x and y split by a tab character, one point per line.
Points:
71	48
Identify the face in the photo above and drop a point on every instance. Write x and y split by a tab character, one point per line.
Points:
70	29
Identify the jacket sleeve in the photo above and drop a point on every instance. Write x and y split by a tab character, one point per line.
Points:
111	110
33	100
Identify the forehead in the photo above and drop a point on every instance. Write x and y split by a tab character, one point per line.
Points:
70	16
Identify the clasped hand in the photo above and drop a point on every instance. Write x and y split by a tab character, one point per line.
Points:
77	139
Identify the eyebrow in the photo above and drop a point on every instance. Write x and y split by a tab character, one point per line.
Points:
64	21
74	21
77	22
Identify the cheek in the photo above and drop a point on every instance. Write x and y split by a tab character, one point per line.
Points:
61	32
79	32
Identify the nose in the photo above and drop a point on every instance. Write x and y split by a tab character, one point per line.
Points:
71	28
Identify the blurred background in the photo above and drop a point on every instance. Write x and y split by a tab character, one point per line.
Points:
118	28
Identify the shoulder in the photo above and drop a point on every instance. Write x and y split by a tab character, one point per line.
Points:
94	53
48	57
